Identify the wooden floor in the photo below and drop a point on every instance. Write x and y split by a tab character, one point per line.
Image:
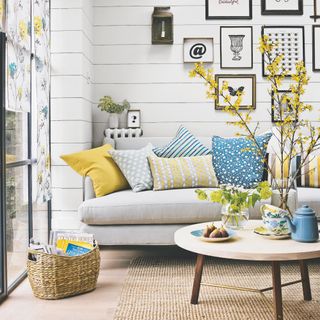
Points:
99	304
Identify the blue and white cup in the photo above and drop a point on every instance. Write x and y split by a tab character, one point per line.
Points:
274	219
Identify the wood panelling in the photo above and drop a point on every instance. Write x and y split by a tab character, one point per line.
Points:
71	103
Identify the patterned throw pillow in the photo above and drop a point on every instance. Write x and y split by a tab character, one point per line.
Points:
184	144
275	165
309	175
184	172
235	165
135	167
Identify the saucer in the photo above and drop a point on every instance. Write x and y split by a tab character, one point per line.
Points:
262	231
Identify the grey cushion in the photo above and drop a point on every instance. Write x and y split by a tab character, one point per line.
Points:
151	207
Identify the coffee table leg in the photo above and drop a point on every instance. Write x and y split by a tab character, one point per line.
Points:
305	280
197	279
277	294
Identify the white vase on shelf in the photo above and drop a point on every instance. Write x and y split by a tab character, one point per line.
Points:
113	121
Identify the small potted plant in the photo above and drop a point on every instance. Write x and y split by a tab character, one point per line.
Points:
236	202
114	109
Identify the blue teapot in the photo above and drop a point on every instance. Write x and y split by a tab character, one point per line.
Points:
304	225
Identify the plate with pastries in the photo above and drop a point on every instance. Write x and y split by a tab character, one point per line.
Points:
211	233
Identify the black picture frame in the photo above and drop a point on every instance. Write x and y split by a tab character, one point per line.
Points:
221	47
273	116
237	76
283	27
266	12
316	14
226	17
314	55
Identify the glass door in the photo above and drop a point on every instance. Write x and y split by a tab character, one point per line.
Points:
3	276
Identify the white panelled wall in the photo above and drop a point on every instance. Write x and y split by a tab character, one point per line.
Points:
71	102
112	48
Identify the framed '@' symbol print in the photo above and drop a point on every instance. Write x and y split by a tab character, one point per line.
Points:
198	50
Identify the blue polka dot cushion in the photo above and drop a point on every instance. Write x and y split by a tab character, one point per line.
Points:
235	166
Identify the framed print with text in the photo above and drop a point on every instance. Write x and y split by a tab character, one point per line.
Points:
236	47
246	83
198	50
281	7
228	9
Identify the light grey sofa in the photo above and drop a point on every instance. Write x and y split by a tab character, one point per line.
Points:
152	217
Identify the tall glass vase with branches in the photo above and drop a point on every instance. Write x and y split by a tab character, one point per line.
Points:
293	135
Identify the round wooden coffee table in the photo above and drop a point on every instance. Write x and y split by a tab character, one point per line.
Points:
247	245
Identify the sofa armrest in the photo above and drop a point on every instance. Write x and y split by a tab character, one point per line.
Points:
88	192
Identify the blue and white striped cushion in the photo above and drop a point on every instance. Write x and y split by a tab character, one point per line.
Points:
184	144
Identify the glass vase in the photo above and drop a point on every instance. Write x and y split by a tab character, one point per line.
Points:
234	219
284	194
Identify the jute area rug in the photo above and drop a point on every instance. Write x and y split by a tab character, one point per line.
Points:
159	288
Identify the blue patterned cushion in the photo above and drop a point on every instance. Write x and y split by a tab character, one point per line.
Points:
184	144
235	166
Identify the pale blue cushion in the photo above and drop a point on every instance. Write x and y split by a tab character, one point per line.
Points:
184	144
235	166
135	166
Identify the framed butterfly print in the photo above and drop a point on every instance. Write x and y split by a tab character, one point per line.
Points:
244	83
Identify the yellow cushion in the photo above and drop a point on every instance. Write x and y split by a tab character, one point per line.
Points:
184	172
97	163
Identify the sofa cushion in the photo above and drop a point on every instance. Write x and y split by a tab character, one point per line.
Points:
149	207
237	161
184	144
182	172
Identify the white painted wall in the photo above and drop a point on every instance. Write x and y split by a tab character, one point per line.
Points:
154	77
71	102
109	41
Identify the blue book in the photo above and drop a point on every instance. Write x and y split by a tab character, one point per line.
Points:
74	250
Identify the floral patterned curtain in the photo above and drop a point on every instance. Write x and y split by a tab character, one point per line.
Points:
19	55
2	15
42	76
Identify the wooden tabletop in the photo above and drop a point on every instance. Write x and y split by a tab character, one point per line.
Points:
246	245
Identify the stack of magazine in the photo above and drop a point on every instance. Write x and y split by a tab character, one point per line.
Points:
66	243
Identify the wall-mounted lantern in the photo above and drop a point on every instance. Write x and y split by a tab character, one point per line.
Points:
162	26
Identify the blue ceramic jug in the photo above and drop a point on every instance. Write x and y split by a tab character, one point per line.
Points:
304	225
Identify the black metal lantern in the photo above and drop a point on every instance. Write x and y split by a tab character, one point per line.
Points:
162	26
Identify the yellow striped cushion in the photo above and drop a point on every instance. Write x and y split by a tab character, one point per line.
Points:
184	172
275	165
309	175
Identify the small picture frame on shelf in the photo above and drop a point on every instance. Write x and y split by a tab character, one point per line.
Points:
282	7
289	42
316	48
236	47
285	106
246	83
228	10
133	119
198	50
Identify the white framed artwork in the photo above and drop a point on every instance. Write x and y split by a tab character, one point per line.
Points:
198	50
133	119
236	47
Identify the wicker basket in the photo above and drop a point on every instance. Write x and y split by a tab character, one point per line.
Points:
55	277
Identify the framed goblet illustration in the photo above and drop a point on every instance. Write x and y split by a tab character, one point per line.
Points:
236	48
